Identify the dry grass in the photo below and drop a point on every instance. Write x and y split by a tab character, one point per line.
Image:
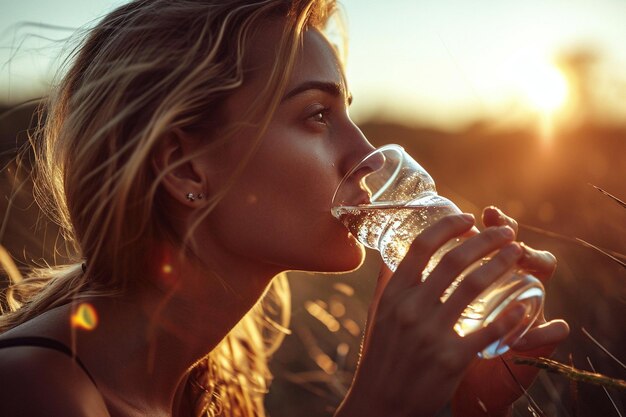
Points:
571	373
588	289
557	210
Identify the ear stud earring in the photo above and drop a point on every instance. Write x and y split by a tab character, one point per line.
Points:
194	197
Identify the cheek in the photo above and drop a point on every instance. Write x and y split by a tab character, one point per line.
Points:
298	182
284	218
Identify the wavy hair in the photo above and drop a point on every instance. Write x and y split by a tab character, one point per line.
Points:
149	67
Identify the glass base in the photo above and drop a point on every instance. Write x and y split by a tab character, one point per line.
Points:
515	288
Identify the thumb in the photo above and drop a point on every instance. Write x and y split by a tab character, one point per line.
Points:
384	276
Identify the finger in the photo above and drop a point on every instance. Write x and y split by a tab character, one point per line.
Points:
457	260
541	319
478	280
493	216
539	263
542	343
546	335
408	273
500	327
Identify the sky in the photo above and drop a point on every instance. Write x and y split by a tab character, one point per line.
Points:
439	62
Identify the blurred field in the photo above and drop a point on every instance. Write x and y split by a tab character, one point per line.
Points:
546	186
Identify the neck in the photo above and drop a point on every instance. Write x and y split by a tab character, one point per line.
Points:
161	329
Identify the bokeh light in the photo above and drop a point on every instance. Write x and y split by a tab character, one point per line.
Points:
84	317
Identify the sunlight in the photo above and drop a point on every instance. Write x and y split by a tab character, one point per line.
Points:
535	79
544	86
541	86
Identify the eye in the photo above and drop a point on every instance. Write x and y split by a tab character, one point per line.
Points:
319	115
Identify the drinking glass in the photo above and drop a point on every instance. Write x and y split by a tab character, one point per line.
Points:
387	199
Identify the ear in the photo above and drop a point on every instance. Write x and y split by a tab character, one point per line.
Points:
183	172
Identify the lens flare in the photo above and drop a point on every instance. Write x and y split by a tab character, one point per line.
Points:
85	317
166	269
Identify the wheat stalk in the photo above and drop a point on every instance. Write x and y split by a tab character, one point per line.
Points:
606	193
570	372
602	251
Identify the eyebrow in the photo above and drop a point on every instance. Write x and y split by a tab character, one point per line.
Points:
334	89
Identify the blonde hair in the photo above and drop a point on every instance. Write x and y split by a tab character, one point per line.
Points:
149	67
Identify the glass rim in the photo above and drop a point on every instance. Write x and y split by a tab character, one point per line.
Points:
356	166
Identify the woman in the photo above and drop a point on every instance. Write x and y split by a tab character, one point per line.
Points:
190	154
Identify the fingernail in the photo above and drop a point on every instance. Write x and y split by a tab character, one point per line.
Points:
526	250
507	232
497	210
549	256
563	329
513	249
468	218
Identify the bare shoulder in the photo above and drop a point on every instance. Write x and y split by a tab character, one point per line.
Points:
38	381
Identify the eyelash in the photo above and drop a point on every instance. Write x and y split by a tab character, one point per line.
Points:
323	112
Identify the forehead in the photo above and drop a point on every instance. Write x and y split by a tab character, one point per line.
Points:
316	60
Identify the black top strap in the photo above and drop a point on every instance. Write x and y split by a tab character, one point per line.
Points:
47	343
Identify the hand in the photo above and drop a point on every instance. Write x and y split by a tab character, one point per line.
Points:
488	384
412	359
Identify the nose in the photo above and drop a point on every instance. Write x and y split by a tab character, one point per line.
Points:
355	149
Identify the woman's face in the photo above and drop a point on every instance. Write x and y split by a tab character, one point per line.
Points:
278	210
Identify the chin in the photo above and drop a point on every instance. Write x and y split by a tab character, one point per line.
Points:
345	259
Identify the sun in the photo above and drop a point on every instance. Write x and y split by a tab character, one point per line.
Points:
541	88
543	85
